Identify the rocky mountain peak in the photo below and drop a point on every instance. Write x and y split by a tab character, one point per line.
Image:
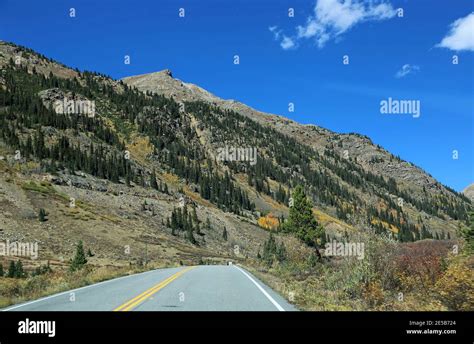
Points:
167	72
469	192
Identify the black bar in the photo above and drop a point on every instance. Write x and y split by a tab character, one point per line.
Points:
383	326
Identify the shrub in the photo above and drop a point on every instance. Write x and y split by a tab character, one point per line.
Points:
456	287
420	264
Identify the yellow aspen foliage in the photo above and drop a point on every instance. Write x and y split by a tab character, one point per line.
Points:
268	222
456	286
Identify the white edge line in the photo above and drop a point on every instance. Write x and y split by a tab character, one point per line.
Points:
272	300
74	290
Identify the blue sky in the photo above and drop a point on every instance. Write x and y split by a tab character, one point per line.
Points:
287	59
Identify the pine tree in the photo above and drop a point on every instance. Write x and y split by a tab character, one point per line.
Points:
11	270
153	182
198	230
272	251
468	234
302	222
19	272
127	179
79	259
269	249
224	234
190	236
281	253
174	220
42	215
195	217
1	270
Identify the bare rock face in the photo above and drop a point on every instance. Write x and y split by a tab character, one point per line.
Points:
469	192
163	83
52	95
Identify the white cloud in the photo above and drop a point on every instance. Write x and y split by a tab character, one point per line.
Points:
287	43
407	69
333	18
275	31
461	35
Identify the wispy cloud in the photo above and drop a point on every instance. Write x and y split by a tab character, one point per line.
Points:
406	69
332	18
286	42
461	35
275	31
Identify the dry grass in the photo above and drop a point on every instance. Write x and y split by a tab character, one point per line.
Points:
140	148
375	283
325	219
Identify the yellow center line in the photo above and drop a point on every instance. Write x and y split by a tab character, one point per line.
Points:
130	304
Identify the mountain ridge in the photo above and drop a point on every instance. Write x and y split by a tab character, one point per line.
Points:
353	190
163	82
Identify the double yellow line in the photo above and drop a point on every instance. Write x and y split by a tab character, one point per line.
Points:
129	305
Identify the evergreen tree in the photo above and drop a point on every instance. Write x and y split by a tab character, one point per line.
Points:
19	272
195	217
153	182
224	234
190	235
468	234
79	259
11	270
198	230
272	251
281	253
42	215
269	250
301	221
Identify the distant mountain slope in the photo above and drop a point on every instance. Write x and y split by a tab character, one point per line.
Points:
413	183
142	146
371	157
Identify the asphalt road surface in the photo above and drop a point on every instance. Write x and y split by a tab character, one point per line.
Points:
198	288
